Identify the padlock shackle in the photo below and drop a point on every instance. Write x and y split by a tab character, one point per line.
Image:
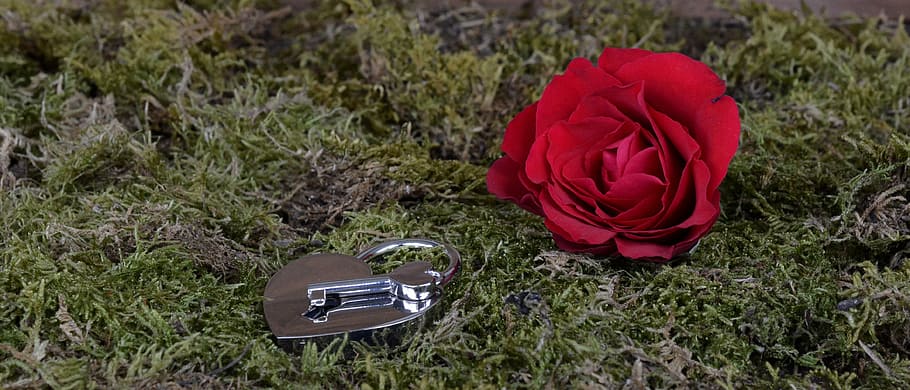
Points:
442	277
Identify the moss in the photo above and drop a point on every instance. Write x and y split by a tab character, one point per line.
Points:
163	159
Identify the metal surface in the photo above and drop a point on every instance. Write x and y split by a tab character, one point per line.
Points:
331	294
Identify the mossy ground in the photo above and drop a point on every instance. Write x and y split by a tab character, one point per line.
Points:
159	160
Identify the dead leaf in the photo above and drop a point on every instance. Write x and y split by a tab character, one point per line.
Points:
67	323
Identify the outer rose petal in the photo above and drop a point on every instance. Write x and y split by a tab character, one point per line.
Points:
567	225
520	134
536	166
658	248
652	250
637	249
613	58
717	129
503	181
561	96
607	248
676	85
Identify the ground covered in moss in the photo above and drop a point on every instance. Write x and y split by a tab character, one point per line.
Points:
159	160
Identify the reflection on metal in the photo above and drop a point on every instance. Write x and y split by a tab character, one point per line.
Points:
332	294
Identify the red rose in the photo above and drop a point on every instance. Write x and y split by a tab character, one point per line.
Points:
624	157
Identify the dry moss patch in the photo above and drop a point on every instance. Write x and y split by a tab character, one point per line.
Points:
159	160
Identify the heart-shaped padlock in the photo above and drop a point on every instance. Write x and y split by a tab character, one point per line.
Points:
331	294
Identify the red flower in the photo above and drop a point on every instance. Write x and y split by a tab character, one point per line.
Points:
624	157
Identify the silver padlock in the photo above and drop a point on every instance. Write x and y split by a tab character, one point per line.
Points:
325	295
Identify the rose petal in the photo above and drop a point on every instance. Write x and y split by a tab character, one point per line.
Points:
566	139
520	134
629	147
717	129
577	204
679	241
585	185
682	142
562	95
693	234
610	168
607	248
580	142
630	189
613	58
536	167
572	166
560	222
635	249
701	216
629	100
563	193
691	205
639	215
573	179
602	155
647	161
503	181
676	84
594	106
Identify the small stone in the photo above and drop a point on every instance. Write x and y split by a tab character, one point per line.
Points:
848	304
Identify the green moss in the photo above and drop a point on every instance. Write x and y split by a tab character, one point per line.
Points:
166	158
